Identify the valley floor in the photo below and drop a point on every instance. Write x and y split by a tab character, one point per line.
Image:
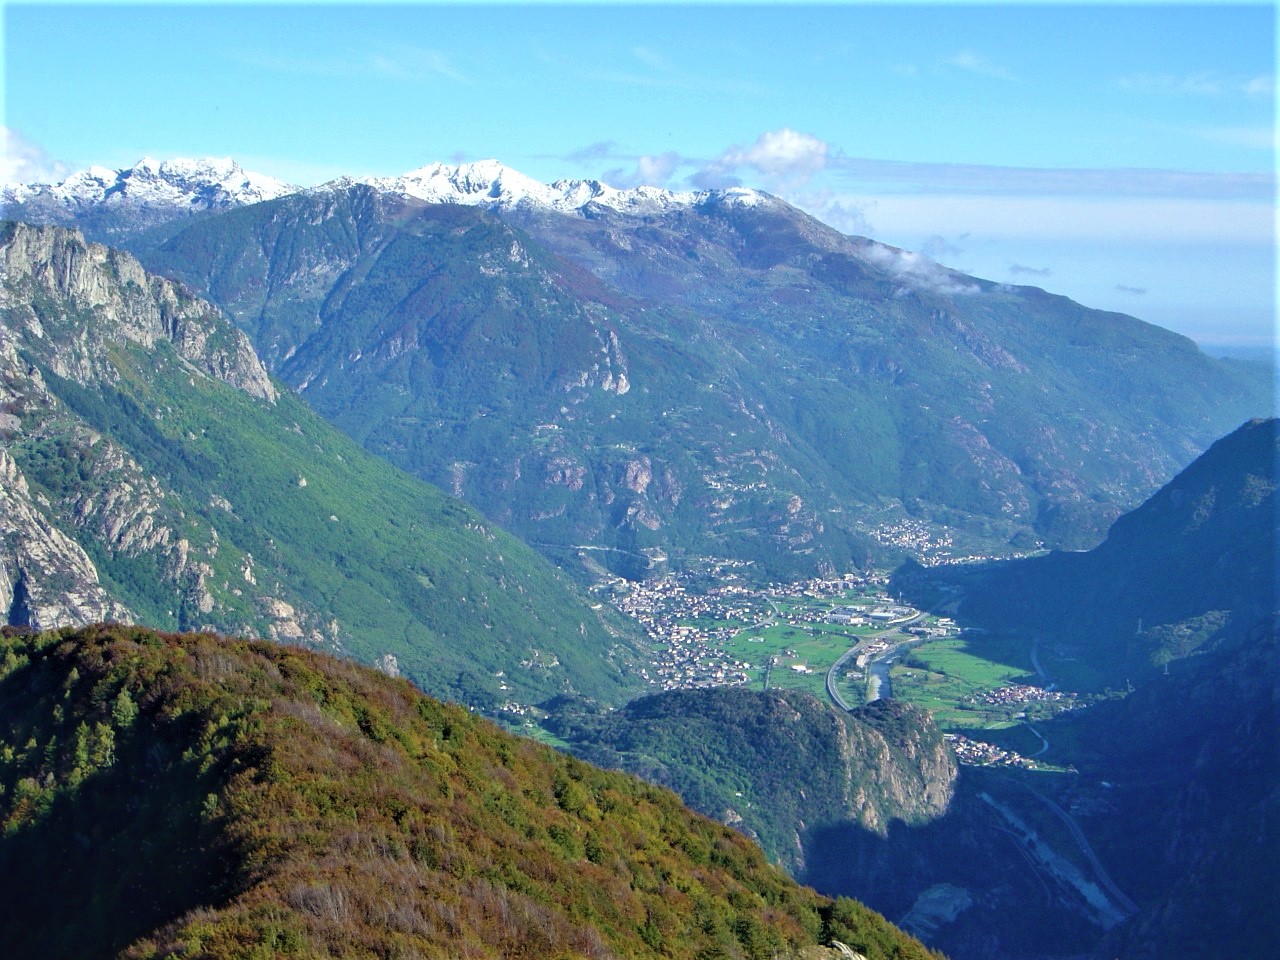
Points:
847	640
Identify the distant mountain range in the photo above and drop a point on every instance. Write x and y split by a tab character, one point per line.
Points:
177	188
622	376
153	472
108	202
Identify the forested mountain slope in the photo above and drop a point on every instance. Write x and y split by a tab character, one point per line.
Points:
1192	567
776	764
718	374
154	472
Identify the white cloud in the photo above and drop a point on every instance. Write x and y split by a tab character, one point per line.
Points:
414	63
845	216
600	150
1263	85
645	68
652	58
783	153
1018	268
937	246
1072	218
398	62
1202	83
715	176
652	171
893	176
24	161
783	157
918	270
1135	291
1253	138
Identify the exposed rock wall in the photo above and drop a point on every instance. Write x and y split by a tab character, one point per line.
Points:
46	578
70	306
900	769
121	302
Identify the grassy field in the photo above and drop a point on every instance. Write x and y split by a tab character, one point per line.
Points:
812	645
815	649
939	676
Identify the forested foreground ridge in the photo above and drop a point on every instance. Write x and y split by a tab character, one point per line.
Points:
167	795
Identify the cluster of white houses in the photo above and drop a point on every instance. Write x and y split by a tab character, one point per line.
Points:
979	753
686	655
1019	693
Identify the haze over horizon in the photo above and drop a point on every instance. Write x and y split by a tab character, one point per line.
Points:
1122	156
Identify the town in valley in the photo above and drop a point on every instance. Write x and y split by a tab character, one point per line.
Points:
840	637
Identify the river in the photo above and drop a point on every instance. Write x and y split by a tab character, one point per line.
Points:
881	687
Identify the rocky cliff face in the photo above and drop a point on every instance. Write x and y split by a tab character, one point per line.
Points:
118	302
46	578
150	460
778	765
72	306
898	766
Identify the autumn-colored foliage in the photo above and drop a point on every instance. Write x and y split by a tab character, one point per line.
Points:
189	795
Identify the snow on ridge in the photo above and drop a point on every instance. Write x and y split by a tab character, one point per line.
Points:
483	183
219	183
739	196
197	184
489	183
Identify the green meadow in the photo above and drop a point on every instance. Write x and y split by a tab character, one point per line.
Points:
807	645
940	675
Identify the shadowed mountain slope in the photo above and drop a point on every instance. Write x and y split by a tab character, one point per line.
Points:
777	765
1191	568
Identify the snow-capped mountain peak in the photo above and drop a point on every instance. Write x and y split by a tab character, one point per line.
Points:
480	182
489	183
191	185
153	191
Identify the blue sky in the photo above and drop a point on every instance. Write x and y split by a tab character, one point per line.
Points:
1122	155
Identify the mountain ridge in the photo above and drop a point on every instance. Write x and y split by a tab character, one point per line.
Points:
723	375
209	183
205	183
1191	568
165	480
196	794
775	369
